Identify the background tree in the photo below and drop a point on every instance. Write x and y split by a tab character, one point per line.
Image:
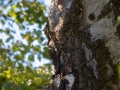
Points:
84	44
20	24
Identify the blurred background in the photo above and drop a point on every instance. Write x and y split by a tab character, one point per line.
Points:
24	61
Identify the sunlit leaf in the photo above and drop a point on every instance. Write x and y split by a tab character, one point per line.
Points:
8	73
13	7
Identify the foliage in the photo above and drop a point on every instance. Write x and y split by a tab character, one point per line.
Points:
20	25
118	21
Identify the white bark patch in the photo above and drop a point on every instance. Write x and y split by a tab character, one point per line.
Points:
57	12
88	52
69	4
70	79
57	80
104	28
53	69
93	6
54	15
91	62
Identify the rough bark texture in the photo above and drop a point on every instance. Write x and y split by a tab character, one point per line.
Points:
84	44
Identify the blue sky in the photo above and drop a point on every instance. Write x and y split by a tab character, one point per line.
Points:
47	2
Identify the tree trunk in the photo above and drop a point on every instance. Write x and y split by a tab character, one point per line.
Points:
84	44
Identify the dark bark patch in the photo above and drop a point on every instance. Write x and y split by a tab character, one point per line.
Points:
102	55
91	16
105	11
116	7
118	31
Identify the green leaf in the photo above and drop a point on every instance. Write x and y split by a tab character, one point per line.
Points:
1	30
17	88
39	57
7	85
118	20
31	57
21	67
2	78
25	86
45	53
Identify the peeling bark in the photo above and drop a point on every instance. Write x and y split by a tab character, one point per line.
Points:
84	44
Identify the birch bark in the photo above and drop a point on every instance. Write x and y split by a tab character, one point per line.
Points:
84	44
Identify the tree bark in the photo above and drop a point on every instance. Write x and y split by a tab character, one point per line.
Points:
84	44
